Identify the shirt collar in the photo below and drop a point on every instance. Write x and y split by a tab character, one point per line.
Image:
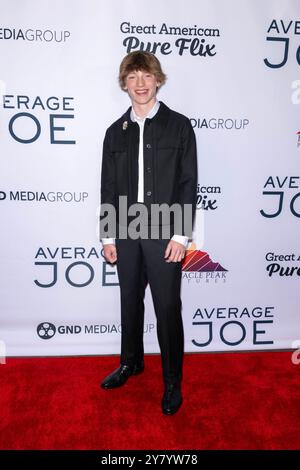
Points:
150	115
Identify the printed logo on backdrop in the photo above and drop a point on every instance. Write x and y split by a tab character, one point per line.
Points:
283	265
282	47
282	195
48	330
73	266
217	123
163	38
31	117
197	265
233	326
34	35
298	139
207	198
44	196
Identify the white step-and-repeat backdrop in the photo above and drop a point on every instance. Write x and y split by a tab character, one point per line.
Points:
233	67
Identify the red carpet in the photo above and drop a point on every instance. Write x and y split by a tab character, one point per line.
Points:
231	401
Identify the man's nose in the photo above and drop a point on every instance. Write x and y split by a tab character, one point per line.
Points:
141	81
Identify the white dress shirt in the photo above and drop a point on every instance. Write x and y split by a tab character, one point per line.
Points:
141	121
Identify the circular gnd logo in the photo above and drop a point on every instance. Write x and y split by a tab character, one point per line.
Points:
46	330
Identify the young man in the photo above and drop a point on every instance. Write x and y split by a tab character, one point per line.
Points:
149	156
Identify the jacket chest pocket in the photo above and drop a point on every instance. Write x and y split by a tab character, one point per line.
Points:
168	155
120	158
118	153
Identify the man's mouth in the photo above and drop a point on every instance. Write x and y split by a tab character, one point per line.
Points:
141	92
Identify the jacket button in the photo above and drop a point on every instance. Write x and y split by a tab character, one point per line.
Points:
148	146
148	170
149	193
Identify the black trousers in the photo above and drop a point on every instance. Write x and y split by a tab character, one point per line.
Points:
139	262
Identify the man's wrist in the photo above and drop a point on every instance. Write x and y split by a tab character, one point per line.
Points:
181	239
108	241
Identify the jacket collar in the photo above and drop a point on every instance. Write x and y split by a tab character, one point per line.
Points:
161	117
150	115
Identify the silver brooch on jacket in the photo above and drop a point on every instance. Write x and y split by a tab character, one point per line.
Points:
125	125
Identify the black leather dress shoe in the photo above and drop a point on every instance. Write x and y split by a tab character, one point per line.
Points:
172	399
120	376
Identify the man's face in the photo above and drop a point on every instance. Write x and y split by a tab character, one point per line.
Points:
141	87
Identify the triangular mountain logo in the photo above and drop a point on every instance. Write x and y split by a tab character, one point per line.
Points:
197	260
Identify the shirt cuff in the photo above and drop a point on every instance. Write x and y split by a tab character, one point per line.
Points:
108	241
181	239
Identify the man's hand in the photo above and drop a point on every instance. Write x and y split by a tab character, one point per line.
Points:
174	252
110	253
